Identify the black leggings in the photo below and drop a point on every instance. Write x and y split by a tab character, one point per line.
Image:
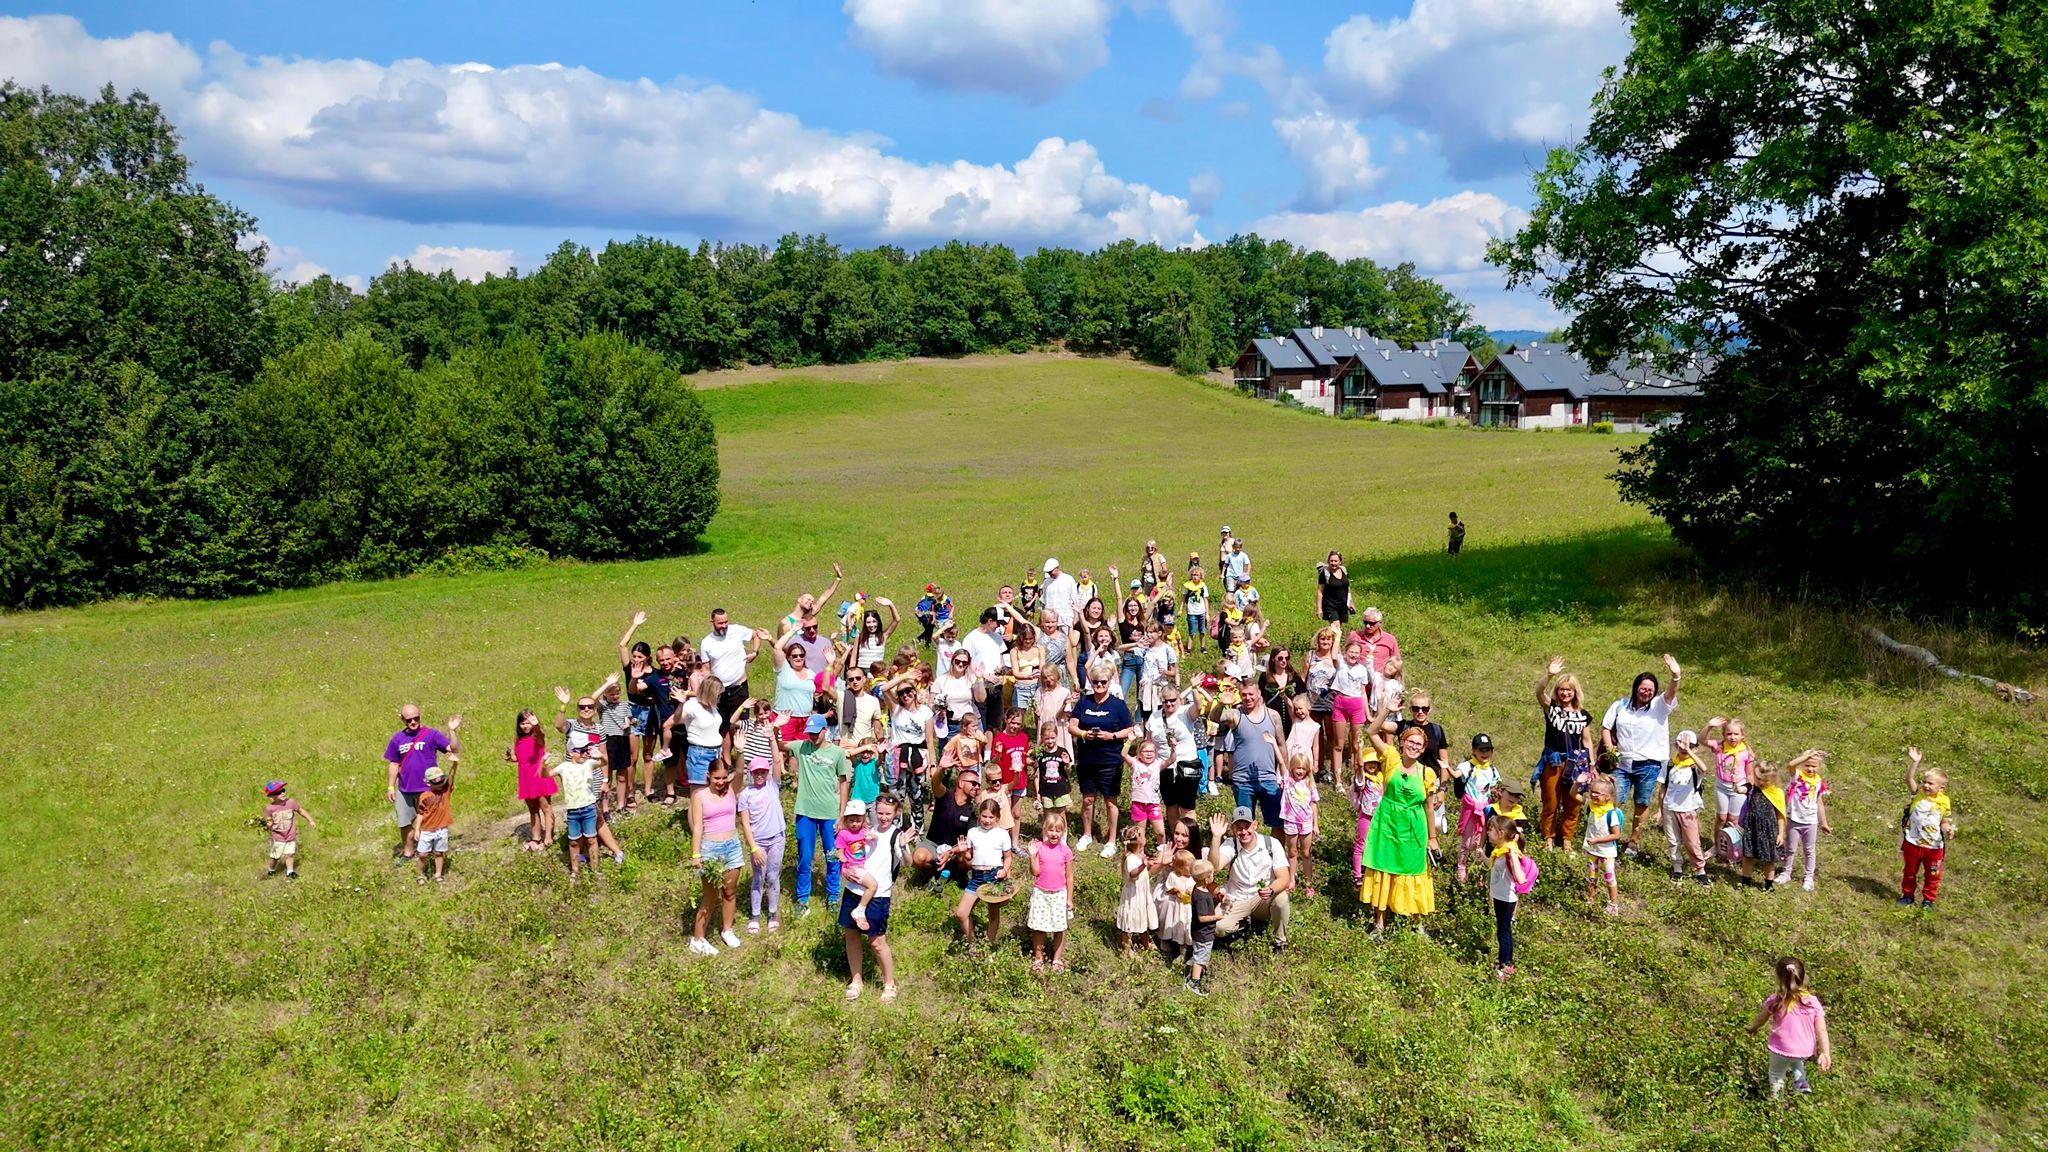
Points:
1504	930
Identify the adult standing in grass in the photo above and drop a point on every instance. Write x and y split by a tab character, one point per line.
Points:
703	730
822	775
1257	750
1130	645
1380	645
643	679
1333	589
730	647
1319	671
1061	595
1057	640
796	686
410	752
722	840
985	648
870	647
1637	730
1403	832
1567	751
1100	724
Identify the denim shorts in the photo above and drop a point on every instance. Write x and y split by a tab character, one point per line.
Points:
976	877
697	762
583	822
725	852
435	841
1637	780
644	721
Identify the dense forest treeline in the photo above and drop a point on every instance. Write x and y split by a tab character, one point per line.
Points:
173	422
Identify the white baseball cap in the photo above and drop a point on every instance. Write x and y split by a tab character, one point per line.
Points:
856	808
1051	565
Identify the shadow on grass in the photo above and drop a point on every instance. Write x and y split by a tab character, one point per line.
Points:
1597	573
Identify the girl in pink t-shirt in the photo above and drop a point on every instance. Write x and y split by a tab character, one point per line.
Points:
1799	1028
1052	892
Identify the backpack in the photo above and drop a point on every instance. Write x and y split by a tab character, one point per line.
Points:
1529	873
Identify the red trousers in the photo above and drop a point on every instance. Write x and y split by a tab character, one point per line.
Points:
1916	859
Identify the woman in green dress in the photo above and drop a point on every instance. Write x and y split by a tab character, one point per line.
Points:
1403	830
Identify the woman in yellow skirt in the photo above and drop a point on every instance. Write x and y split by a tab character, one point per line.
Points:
1403	833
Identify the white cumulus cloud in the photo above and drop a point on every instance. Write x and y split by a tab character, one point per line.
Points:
1030	49
550	145
1493	81
1444	235
1334	157
466	263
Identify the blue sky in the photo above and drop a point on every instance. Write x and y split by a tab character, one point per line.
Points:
479	136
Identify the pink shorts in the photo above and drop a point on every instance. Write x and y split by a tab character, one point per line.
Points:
793	729
1351	708
1145	811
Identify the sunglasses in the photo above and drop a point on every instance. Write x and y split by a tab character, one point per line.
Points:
412	722
1098	683
585	707
1418	707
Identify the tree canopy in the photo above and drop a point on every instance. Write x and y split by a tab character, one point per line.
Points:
1847	205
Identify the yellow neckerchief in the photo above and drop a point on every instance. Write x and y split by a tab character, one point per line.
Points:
1503	849
1685	762
1597	813
1776	795
1939	800
1514	813
1812	781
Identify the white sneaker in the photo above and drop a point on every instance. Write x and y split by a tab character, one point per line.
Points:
661	755
619	857
1784	877
1808	885
731	941
702	947
1108	850
1086	840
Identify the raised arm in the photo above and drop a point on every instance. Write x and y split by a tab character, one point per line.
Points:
626	641
894	619
1389	752
829	588
454	741
1913	768
1543	682
562	713
776	652
1671	690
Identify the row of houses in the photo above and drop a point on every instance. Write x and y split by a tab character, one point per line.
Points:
1346	371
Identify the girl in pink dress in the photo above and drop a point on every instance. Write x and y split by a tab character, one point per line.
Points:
529	748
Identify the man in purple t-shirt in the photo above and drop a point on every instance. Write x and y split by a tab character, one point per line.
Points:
413	749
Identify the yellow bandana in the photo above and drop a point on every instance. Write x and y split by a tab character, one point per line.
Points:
1776	796
1514	813
1503	849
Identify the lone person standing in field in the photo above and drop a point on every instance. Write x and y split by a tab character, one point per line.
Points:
412	750
1457	534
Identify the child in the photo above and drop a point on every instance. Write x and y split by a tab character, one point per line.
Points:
853	841
1763	823
1477	778
1603	840
1366	788
1055	783
1146	809
1509	870
1052	892
1012	753
1508	796
1799	1028
1194	598
761	800
1176	890
1298	800
1680	796
529	750
435	815
1732	762
760	736
1205	908
988	862
1136	913
581	801
1806	813
1925	830
281	816
1160	672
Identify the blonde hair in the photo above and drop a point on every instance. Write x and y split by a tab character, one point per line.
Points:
1571	681
1765	772
1054	822
1602	786
1183	859
708	691
1299	763
1202	871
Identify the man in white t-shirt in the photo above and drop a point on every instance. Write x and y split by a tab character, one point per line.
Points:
1061	596
1257	878
730	648
985	649
1637	730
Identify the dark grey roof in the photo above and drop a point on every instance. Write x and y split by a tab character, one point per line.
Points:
1392	367
1336	345
1282	354
1541	367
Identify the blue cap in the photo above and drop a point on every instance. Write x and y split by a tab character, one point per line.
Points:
815	724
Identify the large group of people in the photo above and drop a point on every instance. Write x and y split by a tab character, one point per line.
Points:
1068	715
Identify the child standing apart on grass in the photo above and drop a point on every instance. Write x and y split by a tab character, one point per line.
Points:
1137	914
1205	908
281	816
1806	813
1925	830
1763	823
1680	796
1176	892
1366	787
1146	811
1603	841
1298	800
1479	778
1799	1028
1052	892
988	862
1504	880
436	816
761	801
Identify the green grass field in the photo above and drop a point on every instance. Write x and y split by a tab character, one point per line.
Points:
157	994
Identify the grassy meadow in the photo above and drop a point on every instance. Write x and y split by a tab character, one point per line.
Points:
156	993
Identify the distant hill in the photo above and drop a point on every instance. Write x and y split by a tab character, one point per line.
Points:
1507	336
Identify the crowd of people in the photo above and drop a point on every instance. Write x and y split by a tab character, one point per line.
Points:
1068	717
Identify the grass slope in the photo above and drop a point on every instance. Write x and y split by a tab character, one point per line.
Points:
156	994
